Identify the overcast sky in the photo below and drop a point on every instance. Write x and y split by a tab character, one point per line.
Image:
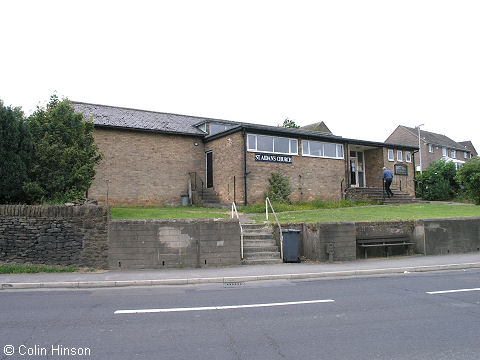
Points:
363	67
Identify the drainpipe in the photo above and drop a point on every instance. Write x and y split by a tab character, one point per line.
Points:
414	173
245	166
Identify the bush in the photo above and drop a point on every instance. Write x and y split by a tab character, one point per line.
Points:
279	188
469	177
438	181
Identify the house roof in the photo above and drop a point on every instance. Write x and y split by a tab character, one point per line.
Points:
468	146
434	138
144	120
319	127
118	117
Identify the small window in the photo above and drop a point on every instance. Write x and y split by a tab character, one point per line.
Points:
444	151
408	156
465	155
399	155
390	155
430	148
453	154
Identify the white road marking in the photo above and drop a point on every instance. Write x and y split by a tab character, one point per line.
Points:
227	307
451	291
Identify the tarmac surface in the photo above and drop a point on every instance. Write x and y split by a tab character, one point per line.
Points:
240	274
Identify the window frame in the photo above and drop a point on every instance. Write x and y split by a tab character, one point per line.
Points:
408	155
337	151
400	158
255	149
393	155
444	151
430	148
465	155
453	154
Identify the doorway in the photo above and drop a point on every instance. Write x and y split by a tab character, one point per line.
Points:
357	169
209	160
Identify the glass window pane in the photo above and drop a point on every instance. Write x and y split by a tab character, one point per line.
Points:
316	148
340	151
390	154
216	128
305	147
330	150
264	143
293	146
360	156
281	145
251	142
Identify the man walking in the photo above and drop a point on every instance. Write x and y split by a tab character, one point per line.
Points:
387	179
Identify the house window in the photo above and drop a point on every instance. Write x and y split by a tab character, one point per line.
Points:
453	154
408	156
465	155
320	149
272	144
399	155
444	151
430	148
390	155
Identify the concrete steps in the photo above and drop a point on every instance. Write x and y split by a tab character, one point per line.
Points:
259	245
376	194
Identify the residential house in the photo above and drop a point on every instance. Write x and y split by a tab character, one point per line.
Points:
433	146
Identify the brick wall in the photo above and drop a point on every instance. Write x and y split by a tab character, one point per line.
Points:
141	168
310	178
156	244
405	183
227	153
374	163
54	235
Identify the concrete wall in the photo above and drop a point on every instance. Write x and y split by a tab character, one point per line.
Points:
314	239
447	236
54	235
156	244
142	168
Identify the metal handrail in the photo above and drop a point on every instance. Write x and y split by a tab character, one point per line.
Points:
234	211
267	201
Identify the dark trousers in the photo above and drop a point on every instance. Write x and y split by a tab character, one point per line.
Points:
388	182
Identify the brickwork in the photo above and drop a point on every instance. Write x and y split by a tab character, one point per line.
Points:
310	178
228	163
54	235
142	168
157	244
400	182
374	162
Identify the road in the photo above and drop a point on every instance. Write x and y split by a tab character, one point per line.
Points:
390	317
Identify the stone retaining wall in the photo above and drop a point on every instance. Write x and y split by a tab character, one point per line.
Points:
54	235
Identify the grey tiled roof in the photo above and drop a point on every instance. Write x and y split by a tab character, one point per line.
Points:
113	116
436	139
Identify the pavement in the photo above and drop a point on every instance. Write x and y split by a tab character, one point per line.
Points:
241	274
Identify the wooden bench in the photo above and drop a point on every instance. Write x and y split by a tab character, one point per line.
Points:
384	241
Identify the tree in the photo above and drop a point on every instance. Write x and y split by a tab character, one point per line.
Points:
64	153
438	181
469	177
15	154
289	123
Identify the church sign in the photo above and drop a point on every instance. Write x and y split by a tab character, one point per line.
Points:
401	170
282	159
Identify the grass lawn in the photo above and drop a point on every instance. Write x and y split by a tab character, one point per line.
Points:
187	212
33	269
377	213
